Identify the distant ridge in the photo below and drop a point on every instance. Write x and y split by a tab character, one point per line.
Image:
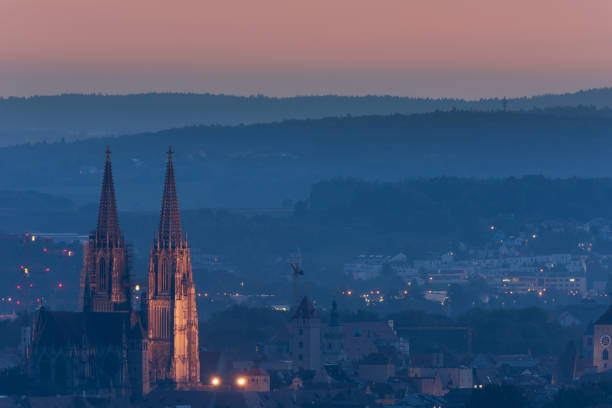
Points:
80	116
271	164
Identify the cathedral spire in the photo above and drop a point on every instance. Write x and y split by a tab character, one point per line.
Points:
108	222
170	219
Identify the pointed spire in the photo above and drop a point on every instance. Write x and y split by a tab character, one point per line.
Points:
108	222
334	321
306	310
170	219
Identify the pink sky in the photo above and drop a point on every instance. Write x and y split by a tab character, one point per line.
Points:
462	48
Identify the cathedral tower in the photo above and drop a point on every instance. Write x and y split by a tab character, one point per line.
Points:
105	281
170	305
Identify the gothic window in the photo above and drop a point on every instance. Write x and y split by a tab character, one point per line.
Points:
60	372
45	368
300	344
158	322
110	273
164	275
91	366
111	366
604	355
163	322
102	273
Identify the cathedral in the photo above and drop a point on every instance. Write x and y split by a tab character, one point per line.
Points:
170	305
109	345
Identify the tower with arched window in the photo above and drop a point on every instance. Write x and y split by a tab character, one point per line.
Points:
105	280
602	342
306	337
170	305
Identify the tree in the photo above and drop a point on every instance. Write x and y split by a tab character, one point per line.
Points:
587	395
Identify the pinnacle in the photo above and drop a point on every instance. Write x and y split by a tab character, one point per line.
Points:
170	232
108	221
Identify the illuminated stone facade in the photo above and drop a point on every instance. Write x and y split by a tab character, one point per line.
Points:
108	345
105	281
170	304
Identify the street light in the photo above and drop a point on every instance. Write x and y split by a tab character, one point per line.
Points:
241	381
215	381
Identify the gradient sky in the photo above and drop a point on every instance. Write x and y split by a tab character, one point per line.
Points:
460	48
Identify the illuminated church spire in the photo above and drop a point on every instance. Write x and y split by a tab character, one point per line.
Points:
170	306
108	223
170	219
105	279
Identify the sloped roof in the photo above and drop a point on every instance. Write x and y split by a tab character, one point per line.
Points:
482	361
374	359
257	371
590	329
62	329
361	338
305	310
605	318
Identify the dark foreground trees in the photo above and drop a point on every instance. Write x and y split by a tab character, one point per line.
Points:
588	395
498	396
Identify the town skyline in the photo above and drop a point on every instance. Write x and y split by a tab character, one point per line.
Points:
391	204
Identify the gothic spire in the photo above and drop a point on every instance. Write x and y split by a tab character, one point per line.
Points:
108	222
170	219
334	321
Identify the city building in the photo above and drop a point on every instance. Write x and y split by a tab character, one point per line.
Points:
602	342
306	337
366	267
376	367
256	379
333	338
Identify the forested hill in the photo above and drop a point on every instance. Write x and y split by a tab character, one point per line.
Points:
263	164
75	116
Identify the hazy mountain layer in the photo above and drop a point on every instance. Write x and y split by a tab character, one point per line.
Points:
74	117
263	165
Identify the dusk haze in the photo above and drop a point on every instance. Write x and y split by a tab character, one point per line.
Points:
437	48
306	204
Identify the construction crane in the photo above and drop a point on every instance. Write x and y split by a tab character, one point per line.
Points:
297	271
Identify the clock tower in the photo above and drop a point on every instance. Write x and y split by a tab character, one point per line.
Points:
602	342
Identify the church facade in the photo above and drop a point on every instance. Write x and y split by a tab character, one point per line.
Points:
108	345
170	303
105	281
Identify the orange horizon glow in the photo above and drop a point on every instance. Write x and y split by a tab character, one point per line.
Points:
470	48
